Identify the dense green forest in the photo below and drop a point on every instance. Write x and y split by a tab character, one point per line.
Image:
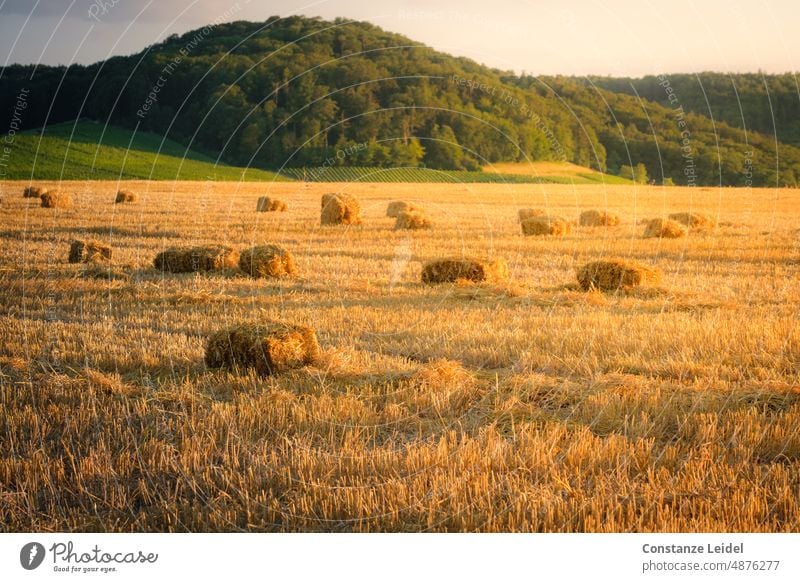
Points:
304	92
768	104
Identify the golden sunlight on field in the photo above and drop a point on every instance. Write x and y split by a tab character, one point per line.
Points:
520	405
541	169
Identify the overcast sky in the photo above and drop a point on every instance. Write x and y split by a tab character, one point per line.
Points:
608	37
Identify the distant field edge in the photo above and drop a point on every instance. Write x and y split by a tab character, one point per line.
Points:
86	150
431	176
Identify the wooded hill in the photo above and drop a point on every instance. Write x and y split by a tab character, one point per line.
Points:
298	92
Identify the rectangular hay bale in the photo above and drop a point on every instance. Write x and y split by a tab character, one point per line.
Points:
412	220
126	197
340	209
598	218
693	219
197	259
269	348
88	251
613	274
267	204
267	261
664	228
452	269
56	199
545	226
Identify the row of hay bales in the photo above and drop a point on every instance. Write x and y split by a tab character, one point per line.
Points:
345	209
338	209
605	275
274	347
61	199
264	261
535	222
274	261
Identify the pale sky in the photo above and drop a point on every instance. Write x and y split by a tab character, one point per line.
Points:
544	37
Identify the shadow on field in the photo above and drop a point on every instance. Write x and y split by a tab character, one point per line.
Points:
78	232
355	254
121	231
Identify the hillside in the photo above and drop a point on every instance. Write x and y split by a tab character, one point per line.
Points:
500	173
304	92
87	150
558	172
768	104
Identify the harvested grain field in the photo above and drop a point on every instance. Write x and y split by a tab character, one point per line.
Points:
528	406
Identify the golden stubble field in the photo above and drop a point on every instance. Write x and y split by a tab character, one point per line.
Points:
530	406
